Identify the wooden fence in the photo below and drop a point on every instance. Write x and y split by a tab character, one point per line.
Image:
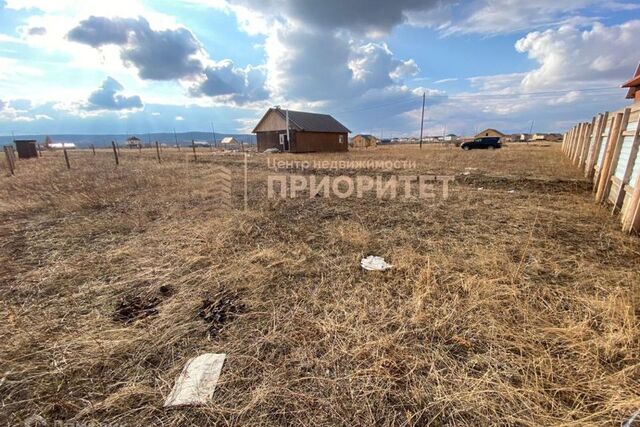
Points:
606	149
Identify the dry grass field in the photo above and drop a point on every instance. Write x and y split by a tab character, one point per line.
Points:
511	308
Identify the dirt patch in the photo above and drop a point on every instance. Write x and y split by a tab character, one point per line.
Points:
217	312
525	183
136	307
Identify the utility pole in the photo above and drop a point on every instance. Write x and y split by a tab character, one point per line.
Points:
424	96
213	131
175	136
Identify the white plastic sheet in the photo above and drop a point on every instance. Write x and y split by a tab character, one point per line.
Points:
197	381
374	263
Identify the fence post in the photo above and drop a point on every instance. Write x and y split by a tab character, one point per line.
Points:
93	148
193	145
115	152
7	154
158	152
66	158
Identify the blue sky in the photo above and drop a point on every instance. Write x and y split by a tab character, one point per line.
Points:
139	66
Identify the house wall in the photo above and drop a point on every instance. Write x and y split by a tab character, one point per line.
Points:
307	142
359	141
272	122
271	139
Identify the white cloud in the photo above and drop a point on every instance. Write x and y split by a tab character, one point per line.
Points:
569	57
506	16
179	118
452	79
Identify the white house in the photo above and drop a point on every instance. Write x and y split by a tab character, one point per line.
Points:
61	146
229	140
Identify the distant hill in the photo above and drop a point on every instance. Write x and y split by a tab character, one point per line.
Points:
183	138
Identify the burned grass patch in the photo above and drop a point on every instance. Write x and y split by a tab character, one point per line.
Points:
217	312
133	307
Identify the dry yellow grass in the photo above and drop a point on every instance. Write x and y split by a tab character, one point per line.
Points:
503	308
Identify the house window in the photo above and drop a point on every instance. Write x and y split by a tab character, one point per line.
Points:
341	139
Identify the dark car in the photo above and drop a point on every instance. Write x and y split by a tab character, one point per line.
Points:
489	142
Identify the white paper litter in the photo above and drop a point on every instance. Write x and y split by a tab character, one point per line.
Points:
197	381
480	188
512	191
631	420
375	263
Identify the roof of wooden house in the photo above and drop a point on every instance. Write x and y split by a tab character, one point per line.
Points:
365	136
309	122
633	84
491	130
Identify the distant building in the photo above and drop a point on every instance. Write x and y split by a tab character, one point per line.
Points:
61	146
490	132
309	132
201	143
552	137
364	141
451	137
229	140
134	142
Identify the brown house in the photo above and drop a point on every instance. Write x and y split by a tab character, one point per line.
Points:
490	132
308	132
364	141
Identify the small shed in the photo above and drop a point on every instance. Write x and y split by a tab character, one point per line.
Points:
308	132
26	148
133	142
364	141
490	132
229	140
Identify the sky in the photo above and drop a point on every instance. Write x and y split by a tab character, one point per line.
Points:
138	66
